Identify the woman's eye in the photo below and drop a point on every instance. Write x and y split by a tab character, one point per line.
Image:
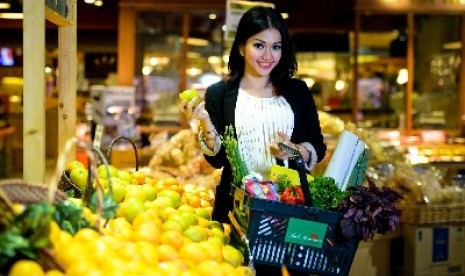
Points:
277	47
258	45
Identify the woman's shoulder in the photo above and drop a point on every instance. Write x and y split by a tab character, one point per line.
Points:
295	82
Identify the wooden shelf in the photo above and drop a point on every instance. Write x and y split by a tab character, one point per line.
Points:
56	18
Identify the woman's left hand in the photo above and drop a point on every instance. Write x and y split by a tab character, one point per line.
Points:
276	151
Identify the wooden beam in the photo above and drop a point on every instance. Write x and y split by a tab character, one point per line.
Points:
34	91
67	63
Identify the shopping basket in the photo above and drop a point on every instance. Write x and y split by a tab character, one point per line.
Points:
300	237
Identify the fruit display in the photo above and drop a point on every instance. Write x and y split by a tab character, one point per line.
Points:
157	227
180	156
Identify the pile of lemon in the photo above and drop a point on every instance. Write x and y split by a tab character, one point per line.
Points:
163	232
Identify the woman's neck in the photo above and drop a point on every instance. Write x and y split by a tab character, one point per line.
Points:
258	87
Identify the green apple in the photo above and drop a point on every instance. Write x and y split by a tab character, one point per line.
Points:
150	192
131	208
74	165
173	195
125	176
102	171
189	95
119	191
79	177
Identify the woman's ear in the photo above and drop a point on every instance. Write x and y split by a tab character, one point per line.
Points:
241	50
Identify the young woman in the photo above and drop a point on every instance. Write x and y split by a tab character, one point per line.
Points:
263	102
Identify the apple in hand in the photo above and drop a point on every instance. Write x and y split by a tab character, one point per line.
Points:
79	177
189	95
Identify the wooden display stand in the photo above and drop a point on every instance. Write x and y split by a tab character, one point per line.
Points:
35	13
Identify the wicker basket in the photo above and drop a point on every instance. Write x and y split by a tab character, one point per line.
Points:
66	185
18	191
434	214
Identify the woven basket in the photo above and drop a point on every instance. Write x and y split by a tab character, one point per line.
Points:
18	191
434	214
66	185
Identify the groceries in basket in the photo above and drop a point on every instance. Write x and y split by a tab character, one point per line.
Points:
318	221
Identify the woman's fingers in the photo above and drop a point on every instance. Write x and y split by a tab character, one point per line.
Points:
194	108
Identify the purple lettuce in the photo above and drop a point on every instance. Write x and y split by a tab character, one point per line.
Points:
369	210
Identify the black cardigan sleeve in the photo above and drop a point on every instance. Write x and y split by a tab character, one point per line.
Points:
214	104
307	124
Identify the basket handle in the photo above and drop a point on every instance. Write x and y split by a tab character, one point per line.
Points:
112	144
300	165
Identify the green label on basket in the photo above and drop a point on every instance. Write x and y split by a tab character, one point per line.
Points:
304	232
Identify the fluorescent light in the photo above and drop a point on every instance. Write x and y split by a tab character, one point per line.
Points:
11	15
5	5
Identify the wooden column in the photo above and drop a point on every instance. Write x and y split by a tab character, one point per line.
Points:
126	45
34	91
67	63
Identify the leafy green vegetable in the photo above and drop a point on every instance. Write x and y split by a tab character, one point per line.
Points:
70	217
28	233
325	193
283	182
108	205
238	167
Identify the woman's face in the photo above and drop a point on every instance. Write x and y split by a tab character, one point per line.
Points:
262	52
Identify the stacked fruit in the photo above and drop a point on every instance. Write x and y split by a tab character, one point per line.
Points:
159	228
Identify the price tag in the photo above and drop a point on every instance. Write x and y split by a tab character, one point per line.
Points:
98	136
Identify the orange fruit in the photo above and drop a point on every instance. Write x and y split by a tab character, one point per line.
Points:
54	272
173	238
196	233
213	250
210	268
148	252
172	225
194	252
86	235
26	267
147	231
232	256
167	253
147	216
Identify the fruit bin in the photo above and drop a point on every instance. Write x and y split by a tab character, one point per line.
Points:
278	234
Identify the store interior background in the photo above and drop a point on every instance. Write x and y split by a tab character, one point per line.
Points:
323	33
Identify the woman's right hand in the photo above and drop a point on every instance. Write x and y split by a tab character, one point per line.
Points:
193	109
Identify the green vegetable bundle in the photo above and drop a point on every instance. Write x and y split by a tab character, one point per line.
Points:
325	193
238	167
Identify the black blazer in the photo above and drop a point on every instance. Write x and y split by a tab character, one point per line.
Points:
220	102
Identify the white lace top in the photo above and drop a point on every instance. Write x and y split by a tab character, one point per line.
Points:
257	120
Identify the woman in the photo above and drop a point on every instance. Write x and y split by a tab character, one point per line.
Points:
263	103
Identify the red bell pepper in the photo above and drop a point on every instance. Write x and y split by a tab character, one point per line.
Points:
293	195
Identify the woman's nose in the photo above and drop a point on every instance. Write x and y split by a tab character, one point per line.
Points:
266	54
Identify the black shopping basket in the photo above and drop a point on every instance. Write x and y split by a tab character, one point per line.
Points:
301	237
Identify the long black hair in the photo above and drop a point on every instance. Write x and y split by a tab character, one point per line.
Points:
254	21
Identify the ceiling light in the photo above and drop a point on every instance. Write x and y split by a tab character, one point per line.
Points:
98	3
89	1
11	15
5	5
